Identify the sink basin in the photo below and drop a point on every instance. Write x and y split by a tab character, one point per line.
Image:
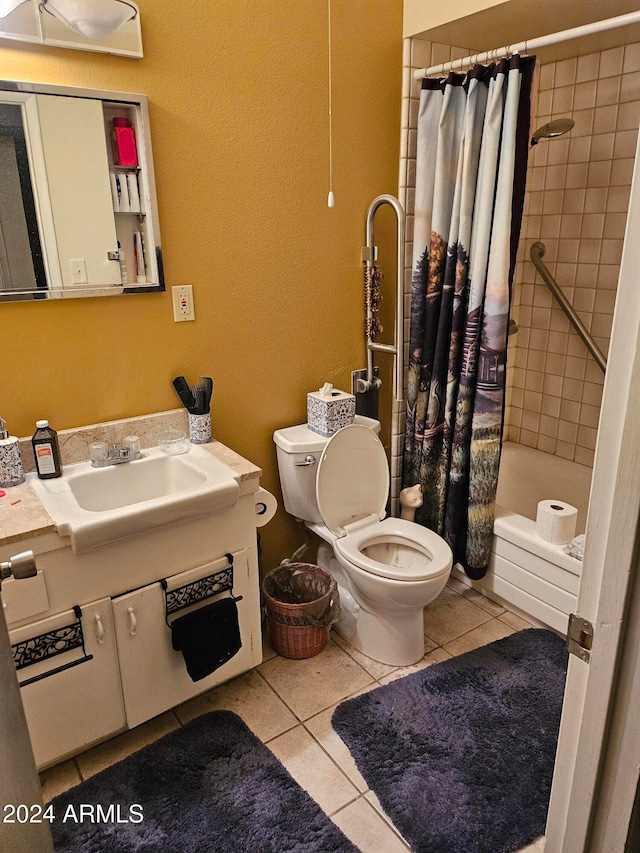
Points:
95	506
102	489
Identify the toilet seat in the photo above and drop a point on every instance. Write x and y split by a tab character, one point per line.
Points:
396	549
352	482
352	486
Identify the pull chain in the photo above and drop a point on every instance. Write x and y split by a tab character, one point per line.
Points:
330	199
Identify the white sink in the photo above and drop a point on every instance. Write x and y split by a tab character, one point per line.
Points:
95	506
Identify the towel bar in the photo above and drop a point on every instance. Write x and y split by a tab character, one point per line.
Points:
49	645
191	593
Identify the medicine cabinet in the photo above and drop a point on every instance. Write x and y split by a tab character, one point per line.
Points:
73	220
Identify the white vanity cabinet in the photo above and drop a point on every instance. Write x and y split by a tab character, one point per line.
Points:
119	668
154	676
70	685
94	670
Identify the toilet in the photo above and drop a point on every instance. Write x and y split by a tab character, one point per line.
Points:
387	569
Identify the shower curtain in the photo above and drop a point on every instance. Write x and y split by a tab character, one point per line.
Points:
473	140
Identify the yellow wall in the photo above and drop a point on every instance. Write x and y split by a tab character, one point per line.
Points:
238	102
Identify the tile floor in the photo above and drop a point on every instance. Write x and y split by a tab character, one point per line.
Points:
288	704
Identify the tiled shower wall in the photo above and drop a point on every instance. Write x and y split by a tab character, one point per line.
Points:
576	204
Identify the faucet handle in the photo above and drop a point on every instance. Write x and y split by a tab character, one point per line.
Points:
132	444
98	453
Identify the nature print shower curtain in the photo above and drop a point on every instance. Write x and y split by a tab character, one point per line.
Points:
473	139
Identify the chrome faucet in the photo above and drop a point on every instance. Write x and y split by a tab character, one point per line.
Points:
101	455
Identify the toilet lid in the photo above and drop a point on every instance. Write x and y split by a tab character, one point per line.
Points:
353	478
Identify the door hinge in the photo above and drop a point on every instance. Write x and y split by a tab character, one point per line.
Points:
580	637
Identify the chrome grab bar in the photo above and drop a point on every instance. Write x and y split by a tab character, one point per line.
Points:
369	258
536	254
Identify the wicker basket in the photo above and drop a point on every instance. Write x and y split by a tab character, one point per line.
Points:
292	634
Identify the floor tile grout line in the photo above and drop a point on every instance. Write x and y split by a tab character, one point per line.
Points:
302	720
470	631
380	814
337	811
360	665
335	643
319	710
279	697
329	756
385	817
335	761
77	766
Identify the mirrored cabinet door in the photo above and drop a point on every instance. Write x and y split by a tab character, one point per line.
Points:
79	212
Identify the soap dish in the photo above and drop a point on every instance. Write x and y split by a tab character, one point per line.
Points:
173	441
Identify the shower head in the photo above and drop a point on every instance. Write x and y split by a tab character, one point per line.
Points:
554	128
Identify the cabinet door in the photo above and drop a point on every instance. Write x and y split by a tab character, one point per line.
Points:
72	698
154	676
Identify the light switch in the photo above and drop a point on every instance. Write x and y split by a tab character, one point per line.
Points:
79	271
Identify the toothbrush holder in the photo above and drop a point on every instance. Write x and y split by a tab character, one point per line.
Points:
200	428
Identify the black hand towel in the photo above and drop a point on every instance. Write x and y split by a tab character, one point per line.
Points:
207	637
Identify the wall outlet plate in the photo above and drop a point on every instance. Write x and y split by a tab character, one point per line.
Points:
182	295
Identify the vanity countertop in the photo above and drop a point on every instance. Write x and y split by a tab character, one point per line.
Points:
22	516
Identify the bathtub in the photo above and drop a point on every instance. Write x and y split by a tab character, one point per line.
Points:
530	575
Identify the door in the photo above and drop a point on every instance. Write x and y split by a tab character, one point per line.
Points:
596	774
71	698
154	676
75	155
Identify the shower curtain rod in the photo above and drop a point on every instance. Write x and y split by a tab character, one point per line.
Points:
530	44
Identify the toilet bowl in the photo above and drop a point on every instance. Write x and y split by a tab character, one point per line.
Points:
387	569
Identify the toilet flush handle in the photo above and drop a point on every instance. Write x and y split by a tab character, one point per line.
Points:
308	460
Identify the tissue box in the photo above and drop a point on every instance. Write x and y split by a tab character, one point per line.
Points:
327	413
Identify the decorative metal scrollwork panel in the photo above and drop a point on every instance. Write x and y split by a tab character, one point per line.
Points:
206	587
48	645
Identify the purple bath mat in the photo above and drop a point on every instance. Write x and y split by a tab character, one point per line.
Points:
461	754
208	787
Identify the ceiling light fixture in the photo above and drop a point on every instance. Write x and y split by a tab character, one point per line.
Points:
7	6
93	19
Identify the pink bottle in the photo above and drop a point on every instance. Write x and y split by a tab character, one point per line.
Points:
124	143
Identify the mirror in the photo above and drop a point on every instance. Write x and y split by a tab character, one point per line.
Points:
78	209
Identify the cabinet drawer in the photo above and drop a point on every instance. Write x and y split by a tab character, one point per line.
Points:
154	676
71	698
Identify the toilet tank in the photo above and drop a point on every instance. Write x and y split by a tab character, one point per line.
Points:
298	450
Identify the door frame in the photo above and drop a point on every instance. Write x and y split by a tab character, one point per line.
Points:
596	772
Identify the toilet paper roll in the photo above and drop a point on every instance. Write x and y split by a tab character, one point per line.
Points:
556	521
266	506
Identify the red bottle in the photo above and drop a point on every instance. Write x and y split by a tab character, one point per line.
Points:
124	143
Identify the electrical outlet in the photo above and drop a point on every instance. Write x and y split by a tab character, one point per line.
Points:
183	303
78	271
